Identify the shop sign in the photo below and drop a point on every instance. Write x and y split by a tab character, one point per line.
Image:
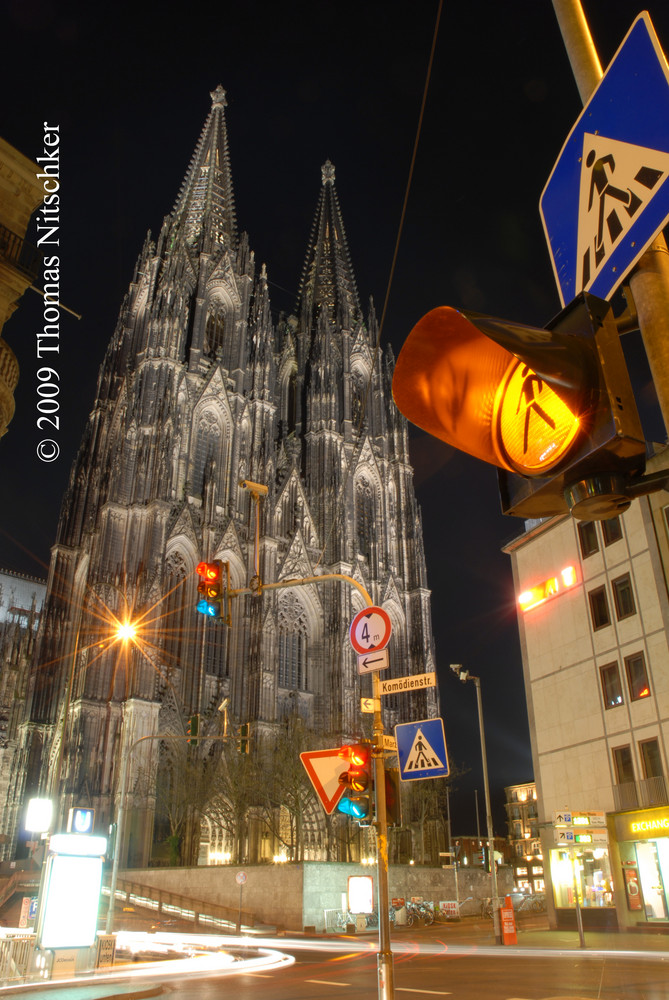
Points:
649	825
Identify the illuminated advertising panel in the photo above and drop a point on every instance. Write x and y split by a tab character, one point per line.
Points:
69	917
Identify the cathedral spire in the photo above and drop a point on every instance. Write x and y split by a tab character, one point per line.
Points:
205	204
327	276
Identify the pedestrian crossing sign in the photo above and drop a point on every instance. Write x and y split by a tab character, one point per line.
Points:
421	748
607	197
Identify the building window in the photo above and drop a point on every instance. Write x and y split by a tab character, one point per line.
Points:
611	686
623	596
622	763
651	760
292	643
364	516
599	608
612	530
637	676
587	534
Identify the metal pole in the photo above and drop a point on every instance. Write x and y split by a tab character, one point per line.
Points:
488	815
386	984
649	281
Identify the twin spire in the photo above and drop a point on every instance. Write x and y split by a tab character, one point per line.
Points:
205	207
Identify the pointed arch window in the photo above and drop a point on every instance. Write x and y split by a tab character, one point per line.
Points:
292	643
214	332
289	399
177	616
358	386
207	447
364	516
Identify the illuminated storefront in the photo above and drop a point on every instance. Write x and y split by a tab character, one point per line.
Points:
643	856
581	872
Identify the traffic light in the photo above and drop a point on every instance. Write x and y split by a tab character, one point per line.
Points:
358	782
245	737
552	408
211	589
193	729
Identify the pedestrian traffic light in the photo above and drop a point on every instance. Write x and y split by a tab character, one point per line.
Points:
357	799
193	729
211	588
552	408
245	737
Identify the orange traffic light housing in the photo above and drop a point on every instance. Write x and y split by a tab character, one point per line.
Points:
552	408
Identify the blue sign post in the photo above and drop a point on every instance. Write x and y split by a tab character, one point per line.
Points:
421	748
608	195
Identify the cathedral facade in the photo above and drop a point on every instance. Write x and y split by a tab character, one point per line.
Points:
198	391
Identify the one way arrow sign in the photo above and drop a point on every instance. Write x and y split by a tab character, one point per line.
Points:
367	662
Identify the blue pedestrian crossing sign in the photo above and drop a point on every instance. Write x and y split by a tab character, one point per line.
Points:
421	748
608	195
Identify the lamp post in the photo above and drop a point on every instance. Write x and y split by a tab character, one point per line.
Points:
465	676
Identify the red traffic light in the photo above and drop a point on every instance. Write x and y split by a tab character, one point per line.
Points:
211	588
357	780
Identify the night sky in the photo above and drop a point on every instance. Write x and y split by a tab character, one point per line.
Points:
306	83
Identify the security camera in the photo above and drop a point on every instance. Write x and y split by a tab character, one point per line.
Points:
247	484
458	669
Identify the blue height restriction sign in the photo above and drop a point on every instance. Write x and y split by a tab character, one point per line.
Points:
421	748
608	195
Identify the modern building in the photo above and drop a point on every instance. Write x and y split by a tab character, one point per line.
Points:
20	194
200	391
594	626
522	817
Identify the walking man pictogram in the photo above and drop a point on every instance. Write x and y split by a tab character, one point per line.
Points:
531	382
600	184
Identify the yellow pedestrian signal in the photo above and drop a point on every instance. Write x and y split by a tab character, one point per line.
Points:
552	408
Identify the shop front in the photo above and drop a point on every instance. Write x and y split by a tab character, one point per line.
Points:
641	856
581	874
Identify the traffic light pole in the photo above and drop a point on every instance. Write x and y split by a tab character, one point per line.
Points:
385	975
649	281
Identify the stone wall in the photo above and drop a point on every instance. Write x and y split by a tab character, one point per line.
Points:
296	896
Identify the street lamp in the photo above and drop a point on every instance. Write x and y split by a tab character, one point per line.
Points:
465	676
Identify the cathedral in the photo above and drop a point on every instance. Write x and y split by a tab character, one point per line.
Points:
199	390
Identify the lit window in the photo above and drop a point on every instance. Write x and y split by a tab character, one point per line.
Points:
637	676
611	686
599	608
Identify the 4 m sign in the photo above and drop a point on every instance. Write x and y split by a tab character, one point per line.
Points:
370	630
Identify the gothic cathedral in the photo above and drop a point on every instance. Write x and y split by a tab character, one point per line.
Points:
198	391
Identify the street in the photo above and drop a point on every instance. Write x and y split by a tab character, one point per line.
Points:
427	963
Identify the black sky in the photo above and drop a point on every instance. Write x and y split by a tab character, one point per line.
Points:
129	86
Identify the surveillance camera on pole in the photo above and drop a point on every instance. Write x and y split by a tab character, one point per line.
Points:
254	488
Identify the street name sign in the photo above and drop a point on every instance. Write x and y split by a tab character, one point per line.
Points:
370	630
378	660
421	748
324	768
607	197
414	682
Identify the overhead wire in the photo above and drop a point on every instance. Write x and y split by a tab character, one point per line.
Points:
363	410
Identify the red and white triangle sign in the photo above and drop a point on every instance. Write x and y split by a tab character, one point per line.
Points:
324	768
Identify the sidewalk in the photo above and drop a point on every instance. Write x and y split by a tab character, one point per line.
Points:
535	934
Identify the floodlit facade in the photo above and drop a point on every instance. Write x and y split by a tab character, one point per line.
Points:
594	619
200	389
522	819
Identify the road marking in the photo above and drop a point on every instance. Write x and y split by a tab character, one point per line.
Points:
438	993
325	982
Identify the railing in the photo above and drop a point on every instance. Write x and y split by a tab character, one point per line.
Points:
173	904
15	954
22	255
641	794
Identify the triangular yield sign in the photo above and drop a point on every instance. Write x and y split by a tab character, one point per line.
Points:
324	768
